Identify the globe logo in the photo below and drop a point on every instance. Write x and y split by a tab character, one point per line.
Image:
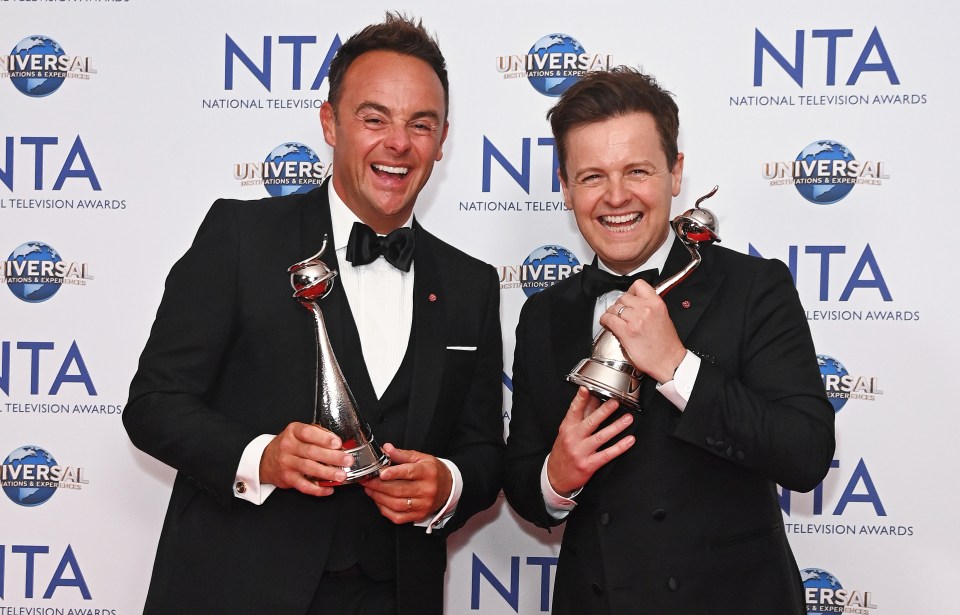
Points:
546	266
832	372
46	82
828	188
554	82
20	474
818	580
26	287
290	169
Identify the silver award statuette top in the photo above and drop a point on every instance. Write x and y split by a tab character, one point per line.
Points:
608	373
335	409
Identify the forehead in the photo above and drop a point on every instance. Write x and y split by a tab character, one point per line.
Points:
615	140
392	78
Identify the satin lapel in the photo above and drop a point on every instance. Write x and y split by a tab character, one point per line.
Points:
571	327
429	325
341	327
688	301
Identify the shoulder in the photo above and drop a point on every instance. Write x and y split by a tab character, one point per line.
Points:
740	264
450	257
265	209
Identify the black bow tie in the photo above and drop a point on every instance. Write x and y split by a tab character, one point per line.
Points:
365	246
596	282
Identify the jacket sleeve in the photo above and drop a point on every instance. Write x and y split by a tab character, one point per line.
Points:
167	415
768	412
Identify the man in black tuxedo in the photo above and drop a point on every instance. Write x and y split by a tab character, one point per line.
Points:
672	509
225	388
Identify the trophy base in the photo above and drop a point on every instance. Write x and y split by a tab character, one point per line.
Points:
369	459
608	381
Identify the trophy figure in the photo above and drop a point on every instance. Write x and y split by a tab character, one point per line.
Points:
335	409
608	373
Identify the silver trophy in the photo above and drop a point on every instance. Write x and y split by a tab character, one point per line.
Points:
608	373
335	409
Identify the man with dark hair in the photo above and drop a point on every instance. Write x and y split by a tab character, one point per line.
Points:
226	384
673	508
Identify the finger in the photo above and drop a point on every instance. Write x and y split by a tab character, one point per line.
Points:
318	436
579	405
599	415
611	431
602	458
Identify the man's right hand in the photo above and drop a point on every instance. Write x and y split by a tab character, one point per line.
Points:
575	455
301	456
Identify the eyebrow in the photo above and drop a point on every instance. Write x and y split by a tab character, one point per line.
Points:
374	106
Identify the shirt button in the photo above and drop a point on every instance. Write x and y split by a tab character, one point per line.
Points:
241	487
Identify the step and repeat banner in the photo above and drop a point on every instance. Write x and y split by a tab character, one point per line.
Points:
830	133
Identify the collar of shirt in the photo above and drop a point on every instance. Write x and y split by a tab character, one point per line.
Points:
658	259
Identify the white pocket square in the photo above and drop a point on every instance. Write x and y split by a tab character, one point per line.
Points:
461	348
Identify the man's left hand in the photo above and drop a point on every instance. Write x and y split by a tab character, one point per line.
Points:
642	324
413	487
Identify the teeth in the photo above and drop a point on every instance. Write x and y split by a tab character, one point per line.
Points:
621	218
394	170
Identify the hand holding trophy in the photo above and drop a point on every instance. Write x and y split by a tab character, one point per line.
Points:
608	373
335	408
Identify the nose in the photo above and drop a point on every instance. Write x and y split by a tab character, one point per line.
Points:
398	139
616	194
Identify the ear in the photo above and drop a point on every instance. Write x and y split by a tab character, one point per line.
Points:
566	191
677	174
328	121
443	138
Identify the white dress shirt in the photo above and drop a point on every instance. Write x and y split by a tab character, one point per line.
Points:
677	391
381	300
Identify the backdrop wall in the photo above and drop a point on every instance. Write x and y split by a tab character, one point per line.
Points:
161	107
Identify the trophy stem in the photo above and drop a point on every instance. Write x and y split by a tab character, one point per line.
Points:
334	407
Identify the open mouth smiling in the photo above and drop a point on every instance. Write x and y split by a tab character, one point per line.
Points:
621	223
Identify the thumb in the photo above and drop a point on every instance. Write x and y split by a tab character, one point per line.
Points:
399	455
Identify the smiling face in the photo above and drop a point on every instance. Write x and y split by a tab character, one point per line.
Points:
620	188
387	132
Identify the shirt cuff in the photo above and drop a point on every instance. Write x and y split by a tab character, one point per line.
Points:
446	513
678	390
558	506
247	485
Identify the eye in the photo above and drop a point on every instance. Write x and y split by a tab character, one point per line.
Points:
641	173
422	127
373	121
590	179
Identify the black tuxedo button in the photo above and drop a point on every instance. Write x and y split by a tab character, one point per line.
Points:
710	441
673	584
659	514
596	589
739	455
729	451
604	518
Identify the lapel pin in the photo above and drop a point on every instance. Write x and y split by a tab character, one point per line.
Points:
432	297
685	304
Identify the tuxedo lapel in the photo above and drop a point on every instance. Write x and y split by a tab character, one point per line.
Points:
571	326
688	301
429	317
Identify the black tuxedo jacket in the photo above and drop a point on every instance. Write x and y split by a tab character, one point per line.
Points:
687	521
232	355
